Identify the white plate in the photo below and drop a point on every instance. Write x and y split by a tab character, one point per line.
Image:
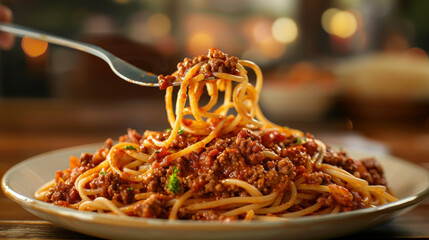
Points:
408	181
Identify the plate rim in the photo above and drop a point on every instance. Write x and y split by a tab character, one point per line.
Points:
107	219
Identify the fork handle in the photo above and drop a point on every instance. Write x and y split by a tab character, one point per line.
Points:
22	31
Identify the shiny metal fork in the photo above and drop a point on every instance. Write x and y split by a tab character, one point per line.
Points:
121	68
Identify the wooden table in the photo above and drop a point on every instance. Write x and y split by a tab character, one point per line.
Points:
29	127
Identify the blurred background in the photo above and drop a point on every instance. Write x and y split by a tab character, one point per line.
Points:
349	64
355	73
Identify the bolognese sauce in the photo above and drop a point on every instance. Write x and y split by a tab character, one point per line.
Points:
215	163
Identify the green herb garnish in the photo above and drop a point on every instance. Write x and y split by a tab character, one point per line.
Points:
158	151
131	189
181	131
102	173
300	140
129	147
173	184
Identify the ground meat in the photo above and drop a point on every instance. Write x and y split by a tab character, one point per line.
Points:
184	140
92	160
64	193
310	146
296	154
215	61
153	207
237	157
157	182
250	149
286	167
317	178
64	189
339	159
367	169
326	200
375	171
358	202
132	136
85	159
272	137
113	187
165	81
211	215
183	67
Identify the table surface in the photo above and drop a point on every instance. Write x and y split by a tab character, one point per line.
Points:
32	126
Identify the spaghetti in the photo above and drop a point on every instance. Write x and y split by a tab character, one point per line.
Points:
220	161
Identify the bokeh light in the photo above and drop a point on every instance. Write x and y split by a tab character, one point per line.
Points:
199	42
343	24
326	19
271	48
158	25
285	30
33	47
261	29
263	46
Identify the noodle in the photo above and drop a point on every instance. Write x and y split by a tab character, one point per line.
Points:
220	161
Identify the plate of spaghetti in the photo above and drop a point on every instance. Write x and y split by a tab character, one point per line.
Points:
222	170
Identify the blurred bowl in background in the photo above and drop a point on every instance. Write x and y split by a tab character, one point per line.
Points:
305	93
297	104
385	88
385	76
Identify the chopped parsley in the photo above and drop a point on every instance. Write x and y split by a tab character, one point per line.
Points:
300	140
131	189
173	184
181	131
102	173
129	147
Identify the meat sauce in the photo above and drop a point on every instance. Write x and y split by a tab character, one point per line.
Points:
214	61
238	155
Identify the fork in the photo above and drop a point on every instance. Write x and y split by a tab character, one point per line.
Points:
121	68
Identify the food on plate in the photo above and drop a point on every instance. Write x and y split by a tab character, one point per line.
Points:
222	160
